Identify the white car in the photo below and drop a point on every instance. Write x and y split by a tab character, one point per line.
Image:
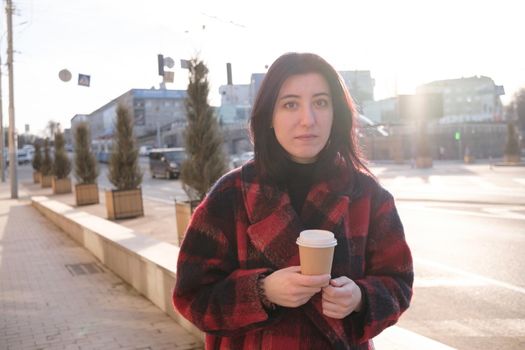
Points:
243	158
145	150
24	156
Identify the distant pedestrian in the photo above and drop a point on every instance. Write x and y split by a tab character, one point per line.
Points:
238	273
441	152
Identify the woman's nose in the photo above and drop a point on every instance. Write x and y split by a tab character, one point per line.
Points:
308	116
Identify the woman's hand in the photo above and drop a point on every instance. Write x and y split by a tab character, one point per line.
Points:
288	287
341	298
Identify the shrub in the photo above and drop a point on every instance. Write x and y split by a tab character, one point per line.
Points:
62	164
205	161
124	172
46	168
86	171
37	158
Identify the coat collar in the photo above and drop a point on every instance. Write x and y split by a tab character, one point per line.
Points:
274	224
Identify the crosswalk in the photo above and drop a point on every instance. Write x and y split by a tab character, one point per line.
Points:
486	211
469	188
469	181
457	277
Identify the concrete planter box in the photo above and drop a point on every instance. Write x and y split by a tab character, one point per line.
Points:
46	180
424	162
61	185
36	177
86	194
511	158
183	212
469	159
124	204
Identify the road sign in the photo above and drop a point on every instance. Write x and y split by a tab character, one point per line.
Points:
185	64
84	80
64	75
169	76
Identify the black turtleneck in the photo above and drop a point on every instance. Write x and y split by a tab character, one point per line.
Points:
298	182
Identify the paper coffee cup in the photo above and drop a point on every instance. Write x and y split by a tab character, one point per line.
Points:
316	251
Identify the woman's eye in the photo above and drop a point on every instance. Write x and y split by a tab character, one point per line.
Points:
321	103
290	105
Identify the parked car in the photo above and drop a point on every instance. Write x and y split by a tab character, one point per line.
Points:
24	155
145	150
166	162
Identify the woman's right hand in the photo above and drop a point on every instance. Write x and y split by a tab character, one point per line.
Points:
288	287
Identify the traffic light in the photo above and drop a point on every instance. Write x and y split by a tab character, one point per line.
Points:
457	135
160	62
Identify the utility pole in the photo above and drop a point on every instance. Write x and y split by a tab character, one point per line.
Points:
2	142
12	146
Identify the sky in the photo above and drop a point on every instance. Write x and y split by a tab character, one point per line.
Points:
403	43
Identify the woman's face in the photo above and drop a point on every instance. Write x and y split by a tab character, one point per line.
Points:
303	116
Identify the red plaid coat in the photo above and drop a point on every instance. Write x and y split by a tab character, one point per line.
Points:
244	228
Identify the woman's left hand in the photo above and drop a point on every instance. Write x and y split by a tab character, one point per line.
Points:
341	298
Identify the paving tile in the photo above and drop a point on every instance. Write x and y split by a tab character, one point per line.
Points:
44	306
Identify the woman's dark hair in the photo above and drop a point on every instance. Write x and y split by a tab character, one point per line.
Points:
271	159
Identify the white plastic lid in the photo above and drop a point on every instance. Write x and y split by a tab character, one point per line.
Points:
316	239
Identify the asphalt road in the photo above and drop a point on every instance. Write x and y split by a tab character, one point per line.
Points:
470	286
466	228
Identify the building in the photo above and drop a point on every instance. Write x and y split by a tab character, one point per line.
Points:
255	84
235	104
360	84
381	111
474	99
77	119
150	110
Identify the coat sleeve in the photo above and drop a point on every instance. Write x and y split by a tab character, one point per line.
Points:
211	290
389	275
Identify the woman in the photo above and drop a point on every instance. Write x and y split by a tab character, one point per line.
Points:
238	274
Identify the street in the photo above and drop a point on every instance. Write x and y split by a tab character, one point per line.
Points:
466	228
469	287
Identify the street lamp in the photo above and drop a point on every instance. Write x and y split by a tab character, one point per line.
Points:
12	144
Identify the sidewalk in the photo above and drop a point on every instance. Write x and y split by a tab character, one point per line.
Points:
159	222
55	295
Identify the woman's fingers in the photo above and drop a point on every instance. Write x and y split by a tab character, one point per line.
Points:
313	280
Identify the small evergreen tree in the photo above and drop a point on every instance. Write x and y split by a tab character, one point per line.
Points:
86	171
62	164
512	147
46	168
124	172
206	161
37	157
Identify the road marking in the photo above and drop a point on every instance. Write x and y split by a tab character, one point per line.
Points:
479	328
521	181
476	180
506	212
429	282
397	338
469	275
498	214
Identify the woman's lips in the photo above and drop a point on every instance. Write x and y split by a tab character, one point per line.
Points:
306	137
